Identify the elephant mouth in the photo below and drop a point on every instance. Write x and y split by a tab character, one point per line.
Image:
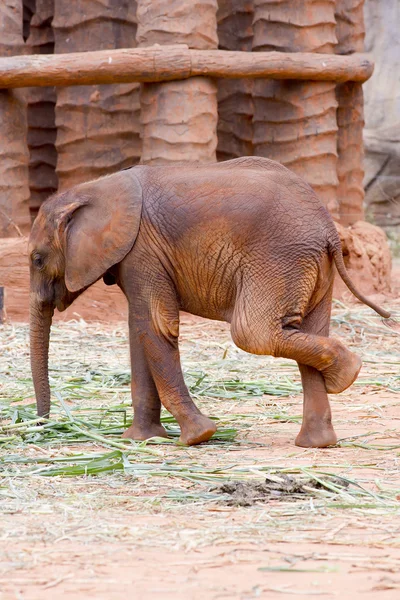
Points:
61	306
62	297
64	301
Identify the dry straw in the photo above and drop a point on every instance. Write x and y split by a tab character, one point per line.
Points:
89	374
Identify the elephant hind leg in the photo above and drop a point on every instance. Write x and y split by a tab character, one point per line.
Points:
292	336
338	366
325	364
316	428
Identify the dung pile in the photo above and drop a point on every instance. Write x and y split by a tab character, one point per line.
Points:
282	487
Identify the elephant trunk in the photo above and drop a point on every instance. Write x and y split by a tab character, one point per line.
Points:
40	322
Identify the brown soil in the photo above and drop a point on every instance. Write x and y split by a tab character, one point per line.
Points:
100	302
234	571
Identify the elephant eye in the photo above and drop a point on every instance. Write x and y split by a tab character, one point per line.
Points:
38	261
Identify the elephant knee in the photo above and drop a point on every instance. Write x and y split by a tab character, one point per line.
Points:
165	321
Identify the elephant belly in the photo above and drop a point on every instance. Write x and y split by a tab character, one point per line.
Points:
210	260
210	295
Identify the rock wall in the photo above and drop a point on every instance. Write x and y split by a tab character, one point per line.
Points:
382	113
14	157
97	126
41	113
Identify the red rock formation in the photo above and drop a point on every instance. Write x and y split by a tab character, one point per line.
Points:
28	10
350	115
367	258
179	118
97	126
295	121
235	97
41	113
14	189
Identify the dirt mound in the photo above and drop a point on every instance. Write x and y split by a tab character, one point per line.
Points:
367	258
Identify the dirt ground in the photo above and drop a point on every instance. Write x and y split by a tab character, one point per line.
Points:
166	532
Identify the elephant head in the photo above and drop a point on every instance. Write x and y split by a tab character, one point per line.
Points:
77	236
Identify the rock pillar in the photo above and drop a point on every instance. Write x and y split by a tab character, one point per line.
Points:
350	115
41	113
97	126
295	121
235	96
14	156
179	118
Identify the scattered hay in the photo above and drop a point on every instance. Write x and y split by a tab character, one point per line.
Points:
90	381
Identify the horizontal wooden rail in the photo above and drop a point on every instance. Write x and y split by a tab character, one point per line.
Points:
165	63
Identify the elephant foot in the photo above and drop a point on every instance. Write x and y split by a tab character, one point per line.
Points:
199	429
340	376
144	432
316	435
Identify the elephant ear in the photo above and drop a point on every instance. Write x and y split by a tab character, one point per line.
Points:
101	223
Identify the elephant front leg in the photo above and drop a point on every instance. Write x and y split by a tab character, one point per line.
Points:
145	399
174	395
162	353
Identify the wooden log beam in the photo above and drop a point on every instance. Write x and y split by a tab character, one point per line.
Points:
166	63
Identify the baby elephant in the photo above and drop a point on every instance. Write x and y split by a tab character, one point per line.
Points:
244	241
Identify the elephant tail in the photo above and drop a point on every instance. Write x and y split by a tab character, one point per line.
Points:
335	250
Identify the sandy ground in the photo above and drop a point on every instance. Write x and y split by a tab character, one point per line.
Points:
120	536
